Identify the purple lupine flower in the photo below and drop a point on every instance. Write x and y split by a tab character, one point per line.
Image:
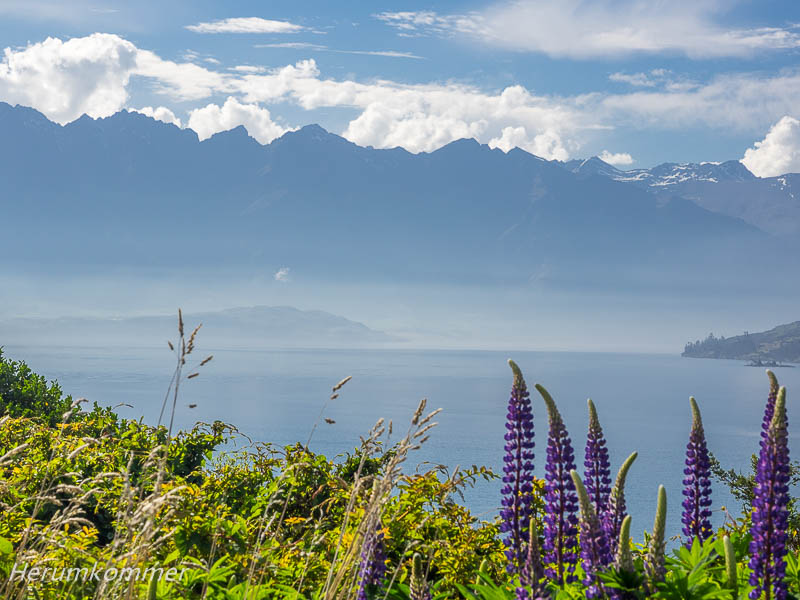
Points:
372	569
617	511
770	509
595	550
517	472
561	501
597	473
697	483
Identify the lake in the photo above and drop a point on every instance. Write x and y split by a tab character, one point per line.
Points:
277	395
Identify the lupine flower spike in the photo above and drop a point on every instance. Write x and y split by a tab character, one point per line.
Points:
654	562
561	501
617	511
373	566
594	545
770	509
697	483
418	588
517	473
597	473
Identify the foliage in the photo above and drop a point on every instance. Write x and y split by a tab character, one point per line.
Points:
241	520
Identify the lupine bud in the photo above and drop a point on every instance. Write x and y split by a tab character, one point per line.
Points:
730	566
770	509
373	566
594	545
532	575
654	563
697	483
517	472
561	501
597	473
617	511
623	559
769	409
418	588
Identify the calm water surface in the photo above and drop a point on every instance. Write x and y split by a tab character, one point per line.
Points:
276	396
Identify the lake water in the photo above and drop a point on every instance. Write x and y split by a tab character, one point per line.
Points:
276	396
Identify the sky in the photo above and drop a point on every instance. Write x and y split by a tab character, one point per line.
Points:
636	82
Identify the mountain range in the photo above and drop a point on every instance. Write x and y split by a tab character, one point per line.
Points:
129	193
770	203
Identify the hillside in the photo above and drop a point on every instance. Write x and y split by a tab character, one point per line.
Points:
246	327
780	344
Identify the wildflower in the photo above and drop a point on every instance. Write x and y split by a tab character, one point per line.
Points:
697	485
373	565
597	475
595	550
770	509
517	472
561	501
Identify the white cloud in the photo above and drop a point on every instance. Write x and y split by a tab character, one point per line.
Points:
778	152
64	80
742	102
579	29
546	145
245	25
618	159
321	48
293	45
94	74
282	274
159	113
213	118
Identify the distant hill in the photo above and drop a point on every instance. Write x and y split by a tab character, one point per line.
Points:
250	327
781	344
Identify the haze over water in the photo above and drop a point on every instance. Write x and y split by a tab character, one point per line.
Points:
276	395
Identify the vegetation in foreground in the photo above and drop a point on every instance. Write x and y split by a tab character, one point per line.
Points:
96	506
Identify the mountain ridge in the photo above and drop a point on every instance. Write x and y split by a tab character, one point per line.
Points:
134	193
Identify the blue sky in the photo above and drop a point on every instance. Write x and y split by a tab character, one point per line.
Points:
641	81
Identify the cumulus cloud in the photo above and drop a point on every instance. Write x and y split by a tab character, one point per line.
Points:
213	118
64	80
778	152
546	145
245	25
91	75
160	113
282	274
579	29
618	159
